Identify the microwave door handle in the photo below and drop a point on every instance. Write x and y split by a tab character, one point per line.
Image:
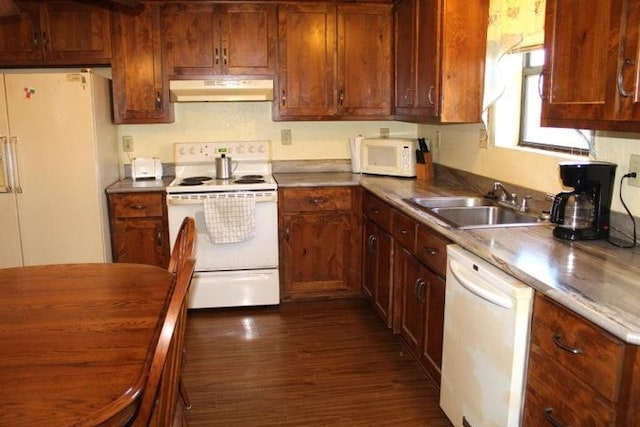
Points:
14	164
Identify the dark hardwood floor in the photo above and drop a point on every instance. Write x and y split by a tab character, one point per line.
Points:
321	363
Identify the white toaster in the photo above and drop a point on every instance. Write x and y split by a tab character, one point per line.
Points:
146	168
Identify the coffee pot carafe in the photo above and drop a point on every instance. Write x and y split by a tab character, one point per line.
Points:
573	210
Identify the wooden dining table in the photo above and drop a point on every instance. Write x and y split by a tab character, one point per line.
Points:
76	341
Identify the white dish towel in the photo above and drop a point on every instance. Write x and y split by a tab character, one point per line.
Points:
230	219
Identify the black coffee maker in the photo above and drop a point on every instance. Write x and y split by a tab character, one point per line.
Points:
583	214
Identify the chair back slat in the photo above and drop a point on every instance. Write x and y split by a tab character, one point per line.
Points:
160	392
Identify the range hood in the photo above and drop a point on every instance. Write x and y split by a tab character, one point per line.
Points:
220	90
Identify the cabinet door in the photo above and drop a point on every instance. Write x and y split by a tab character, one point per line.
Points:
140	88
378	277
317	254
248	44
364	60
20	41
141	241
412	279
306	61
629	77
581	60
191	39
404	42
428	27
434	326
75	32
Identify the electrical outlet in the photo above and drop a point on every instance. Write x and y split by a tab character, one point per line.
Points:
127	143
285	135
384	132
634	166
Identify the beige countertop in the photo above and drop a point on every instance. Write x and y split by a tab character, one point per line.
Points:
127	185
593	278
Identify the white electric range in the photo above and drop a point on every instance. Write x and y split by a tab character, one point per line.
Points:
244	271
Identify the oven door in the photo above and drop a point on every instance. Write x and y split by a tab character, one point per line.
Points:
259	252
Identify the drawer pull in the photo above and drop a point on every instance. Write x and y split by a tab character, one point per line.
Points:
430	251
551	419
317	201
557	340
372	244
137	207
402	230
375	211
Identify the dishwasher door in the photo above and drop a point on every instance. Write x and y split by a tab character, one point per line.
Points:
486	336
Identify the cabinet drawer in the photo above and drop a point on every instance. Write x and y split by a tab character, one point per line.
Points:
377	211
403	229
431	249
598	356
554	394
137	205
316	199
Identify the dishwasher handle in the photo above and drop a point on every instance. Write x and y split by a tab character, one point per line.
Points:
467	282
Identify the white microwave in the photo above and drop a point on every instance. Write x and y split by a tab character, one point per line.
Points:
388	156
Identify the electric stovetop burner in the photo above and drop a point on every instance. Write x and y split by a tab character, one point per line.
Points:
195	180
250	179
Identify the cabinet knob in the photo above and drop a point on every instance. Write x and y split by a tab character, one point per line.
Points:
158	101
317	201
283	98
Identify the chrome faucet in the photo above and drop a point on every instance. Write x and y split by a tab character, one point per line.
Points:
506	196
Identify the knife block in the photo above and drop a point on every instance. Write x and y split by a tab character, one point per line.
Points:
424	171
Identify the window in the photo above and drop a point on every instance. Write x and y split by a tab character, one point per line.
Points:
574	141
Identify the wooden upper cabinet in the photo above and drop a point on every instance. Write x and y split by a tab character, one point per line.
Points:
307	60
580	65
140	86
334	61
443	79
591	73
364	60
56	33
207	39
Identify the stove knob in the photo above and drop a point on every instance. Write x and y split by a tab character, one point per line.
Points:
182	151
261	149
252	149
240	149
192	150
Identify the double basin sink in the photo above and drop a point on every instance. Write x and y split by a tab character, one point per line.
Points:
472	212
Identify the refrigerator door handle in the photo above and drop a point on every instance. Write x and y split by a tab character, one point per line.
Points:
7	168
14	164
475	287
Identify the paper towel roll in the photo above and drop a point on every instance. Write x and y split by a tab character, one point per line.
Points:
354	145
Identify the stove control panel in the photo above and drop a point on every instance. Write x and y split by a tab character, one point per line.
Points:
188	152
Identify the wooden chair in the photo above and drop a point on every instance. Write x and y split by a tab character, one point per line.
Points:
184	245
183	248
159	397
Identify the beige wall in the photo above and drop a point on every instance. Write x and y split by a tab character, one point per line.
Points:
233	121
459	148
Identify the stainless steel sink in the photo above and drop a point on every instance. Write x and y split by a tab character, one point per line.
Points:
472	212
448	202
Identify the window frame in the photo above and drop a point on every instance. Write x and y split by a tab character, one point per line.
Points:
528	71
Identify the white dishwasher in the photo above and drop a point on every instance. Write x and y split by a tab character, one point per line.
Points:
486	337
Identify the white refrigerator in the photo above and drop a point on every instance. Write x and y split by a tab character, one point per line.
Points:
58	149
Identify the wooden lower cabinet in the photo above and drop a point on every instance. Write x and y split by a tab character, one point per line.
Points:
139	228
320	242
403	276
578	374
412	281
378	269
